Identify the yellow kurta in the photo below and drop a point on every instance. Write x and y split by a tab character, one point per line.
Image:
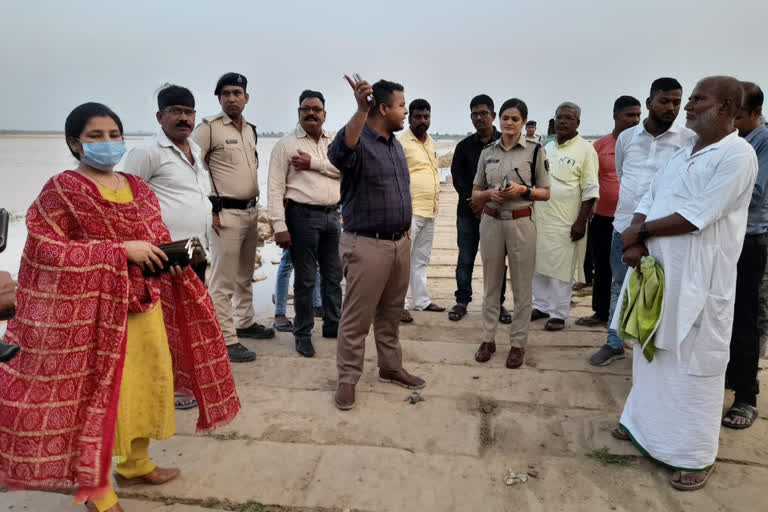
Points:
145	408
425	177
573	180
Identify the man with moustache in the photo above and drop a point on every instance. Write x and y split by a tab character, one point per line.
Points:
375	245
228	146
741	375
640	152
304	209
463	171
421	156
172	165
626	114
561	222
692	221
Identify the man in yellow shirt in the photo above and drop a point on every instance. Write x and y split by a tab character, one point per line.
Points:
561	222
420	154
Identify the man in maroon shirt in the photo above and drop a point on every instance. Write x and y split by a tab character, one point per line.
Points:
626	114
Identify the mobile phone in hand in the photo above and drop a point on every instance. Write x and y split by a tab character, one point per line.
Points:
505	182
5	219
357	78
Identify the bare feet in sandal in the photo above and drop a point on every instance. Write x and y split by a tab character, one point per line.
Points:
555	324
457	312
740	416
183	401
690	480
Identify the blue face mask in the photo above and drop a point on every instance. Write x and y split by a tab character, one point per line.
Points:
102	155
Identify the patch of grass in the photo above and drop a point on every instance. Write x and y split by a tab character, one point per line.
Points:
229	436
604	457
253	506
210	503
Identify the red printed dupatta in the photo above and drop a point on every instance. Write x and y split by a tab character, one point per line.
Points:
58	397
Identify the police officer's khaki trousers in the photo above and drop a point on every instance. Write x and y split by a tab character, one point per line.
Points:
233	254
377	273
518	236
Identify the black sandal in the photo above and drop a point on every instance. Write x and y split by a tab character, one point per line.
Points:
457	312
740	410
505	316
555	324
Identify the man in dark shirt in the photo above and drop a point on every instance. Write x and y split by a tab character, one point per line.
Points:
741	374
375	246
463	170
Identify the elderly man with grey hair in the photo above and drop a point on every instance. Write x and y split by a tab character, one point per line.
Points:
561	222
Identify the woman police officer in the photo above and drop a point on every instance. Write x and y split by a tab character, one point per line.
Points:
512	173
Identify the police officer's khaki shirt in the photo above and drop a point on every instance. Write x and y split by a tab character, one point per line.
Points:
497	161
230	155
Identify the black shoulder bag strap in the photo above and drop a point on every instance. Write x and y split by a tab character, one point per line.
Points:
533	165
208	157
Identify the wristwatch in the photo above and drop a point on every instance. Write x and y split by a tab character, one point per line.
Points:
527	193
643	233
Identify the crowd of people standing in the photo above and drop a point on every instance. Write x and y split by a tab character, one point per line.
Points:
113	333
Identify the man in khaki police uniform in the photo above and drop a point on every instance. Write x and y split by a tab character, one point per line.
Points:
228	146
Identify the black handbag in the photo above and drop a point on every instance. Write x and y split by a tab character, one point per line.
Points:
180	253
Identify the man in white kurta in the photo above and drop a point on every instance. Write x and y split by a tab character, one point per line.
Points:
561	222
693	221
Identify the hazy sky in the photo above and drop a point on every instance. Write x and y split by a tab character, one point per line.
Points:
55	55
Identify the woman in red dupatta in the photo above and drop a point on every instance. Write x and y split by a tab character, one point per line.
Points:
81	285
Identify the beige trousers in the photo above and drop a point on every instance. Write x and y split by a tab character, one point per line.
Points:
376	272
233	254
518	236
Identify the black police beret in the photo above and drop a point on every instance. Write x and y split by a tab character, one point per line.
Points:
230	79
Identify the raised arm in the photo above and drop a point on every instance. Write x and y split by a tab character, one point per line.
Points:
354	127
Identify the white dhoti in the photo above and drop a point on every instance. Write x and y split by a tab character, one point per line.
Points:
674	409
552	296
672	416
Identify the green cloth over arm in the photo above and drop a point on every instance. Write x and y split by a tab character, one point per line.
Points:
641	305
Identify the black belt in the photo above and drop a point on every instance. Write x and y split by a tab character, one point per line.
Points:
317	207
230	203
760	240
380	236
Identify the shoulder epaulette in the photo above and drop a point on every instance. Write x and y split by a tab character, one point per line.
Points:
208	119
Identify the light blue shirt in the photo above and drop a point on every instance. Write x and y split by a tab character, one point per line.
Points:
757	221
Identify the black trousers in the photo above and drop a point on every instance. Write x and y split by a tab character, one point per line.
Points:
589	264
315	236
468	240
745	339
599	242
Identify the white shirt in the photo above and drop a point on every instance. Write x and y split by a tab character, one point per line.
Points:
711	189
319	185
639	155
181	188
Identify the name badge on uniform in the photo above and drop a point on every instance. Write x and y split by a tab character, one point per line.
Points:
231	141
492	161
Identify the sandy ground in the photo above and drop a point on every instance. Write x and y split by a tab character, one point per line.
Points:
290	449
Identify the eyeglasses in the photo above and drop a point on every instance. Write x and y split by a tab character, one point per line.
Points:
566	118
482	113
314	110
174	111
